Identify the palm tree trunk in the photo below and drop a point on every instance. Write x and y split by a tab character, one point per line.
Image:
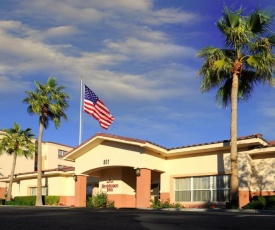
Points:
39	167
234	193
11	176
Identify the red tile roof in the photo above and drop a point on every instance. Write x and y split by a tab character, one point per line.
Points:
64	169
145	141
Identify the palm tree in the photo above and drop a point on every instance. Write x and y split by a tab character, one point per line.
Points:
18	143
48	102
246	61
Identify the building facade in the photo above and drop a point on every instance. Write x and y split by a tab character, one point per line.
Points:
55	172
132	171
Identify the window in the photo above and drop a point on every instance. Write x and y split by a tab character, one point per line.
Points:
61	153
33	191
206	188
62	166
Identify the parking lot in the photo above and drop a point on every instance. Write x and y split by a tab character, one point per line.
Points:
87	218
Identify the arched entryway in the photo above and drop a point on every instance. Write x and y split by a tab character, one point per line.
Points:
121	184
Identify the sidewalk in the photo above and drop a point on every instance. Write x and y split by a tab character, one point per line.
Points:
216	210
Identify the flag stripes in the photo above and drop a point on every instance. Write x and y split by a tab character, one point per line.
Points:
96	108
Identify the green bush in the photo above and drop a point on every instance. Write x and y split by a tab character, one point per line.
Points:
52	200
100	201
261	202
164	204
110	204
22	200
11	202
270	202
30	200
232	204
2	201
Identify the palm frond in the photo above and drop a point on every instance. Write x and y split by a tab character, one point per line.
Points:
49	98
271	39
259	21
233	27
223	98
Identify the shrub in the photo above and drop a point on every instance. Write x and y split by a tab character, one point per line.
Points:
22	200
110	204
30	200
11	202
270	202
164	204
100	201
52	200
232	205
2	201
261	202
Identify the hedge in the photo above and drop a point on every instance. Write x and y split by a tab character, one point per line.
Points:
30	200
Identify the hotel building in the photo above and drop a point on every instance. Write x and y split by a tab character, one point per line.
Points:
132	171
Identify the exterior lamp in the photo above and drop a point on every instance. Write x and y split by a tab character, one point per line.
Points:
138	171
75	177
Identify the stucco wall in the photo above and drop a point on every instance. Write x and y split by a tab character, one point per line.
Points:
263	174
50	155
59	186
22	164
117	154
211	163
118	181
245	171
200	164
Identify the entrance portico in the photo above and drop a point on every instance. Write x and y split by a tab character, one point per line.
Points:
113	165
121	184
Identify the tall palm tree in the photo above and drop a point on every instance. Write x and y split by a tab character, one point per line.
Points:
246	61
48	102
18	143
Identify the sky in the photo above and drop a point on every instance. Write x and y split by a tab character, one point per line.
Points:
139	57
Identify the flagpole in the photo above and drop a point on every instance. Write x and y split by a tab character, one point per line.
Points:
80	112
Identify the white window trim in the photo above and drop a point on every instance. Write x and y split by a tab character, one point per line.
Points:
211	189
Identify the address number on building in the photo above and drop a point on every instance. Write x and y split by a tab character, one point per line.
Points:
106	162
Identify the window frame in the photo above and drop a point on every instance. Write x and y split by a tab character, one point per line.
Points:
211	187
63	152
33	191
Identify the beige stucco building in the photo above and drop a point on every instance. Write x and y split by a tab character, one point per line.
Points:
56	172
132	171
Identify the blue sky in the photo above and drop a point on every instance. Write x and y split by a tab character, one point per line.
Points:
139	57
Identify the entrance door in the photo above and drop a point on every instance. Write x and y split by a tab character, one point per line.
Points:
155	188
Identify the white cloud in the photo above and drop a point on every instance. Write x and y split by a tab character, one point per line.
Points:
18	50
83	11
12	86
62	11
54	32
30	50
149	50
141	5
172	16
148	34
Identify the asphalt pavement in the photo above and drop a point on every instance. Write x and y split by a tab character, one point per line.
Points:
49	217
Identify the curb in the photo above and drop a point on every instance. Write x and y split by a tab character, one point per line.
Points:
217	210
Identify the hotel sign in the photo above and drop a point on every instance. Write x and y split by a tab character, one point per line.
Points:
110	186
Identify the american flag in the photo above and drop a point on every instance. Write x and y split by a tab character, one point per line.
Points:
95	107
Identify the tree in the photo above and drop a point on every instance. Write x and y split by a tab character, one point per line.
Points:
18	143
48	102
246	61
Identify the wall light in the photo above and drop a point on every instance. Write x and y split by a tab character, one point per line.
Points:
75	177
138	171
